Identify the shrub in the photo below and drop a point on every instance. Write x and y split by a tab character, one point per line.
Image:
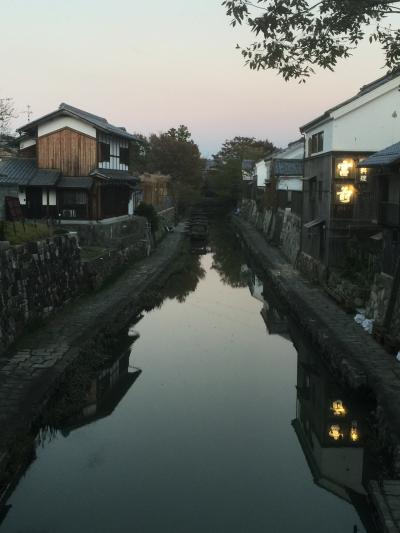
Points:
148	211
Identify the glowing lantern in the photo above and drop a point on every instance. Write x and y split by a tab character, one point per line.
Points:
345	194
338	408
363	174
354	435
335	432
344	167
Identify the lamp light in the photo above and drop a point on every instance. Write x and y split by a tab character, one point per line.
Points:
345	194
344	167
335	432
338	408
354	434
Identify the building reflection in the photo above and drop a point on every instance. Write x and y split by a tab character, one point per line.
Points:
330	425
273	315
332	432
106	391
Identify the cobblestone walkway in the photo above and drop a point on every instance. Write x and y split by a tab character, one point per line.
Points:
28	374
353	354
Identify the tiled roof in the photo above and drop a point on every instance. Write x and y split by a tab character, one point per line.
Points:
365	89
82	182
17	171
115	175
289	167
23	171
99	123
383	158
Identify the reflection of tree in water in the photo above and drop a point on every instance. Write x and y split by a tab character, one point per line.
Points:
228	258
181	282
180	285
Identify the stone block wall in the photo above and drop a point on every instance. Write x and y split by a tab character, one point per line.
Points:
36	278
98	270
291	236
115	234
379	298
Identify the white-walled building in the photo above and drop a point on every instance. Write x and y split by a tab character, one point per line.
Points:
338	199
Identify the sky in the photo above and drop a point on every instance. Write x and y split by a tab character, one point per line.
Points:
152	65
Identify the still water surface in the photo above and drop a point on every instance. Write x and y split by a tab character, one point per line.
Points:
202	440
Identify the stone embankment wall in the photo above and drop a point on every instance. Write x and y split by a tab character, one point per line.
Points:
99	269
36	278
112	234
39	277
281	227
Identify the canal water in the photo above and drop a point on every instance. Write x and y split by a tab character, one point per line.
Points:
211	422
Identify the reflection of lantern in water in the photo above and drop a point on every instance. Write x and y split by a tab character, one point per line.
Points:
354	434
338	408
345	194
335	432
344	168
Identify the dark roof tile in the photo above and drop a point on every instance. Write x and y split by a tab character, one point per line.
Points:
387	157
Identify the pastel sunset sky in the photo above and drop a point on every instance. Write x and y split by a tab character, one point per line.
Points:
151	65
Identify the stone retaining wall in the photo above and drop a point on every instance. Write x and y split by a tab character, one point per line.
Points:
98	270
36	278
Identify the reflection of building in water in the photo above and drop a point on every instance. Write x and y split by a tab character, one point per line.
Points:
273	315
256	286
331	433
106	392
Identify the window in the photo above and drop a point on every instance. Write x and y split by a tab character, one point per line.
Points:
316	143
104	152
74	198
49	197
123	156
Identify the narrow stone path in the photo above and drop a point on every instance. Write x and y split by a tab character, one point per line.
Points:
355	357
28	374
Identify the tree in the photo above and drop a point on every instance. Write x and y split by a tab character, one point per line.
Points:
226	179
7	113
295	36
176	154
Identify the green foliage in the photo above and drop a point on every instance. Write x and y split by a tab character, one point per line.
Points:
295	36
139	154
21	232
175	154
226	179
148	211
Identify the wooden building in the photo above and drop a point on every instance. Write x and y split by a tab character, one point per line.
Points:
384	167
157	190
73	165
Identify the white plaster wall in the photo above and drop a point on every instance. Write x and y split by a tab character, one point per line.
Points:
293	152
22	196
370	127
261	173
26	143
327	128
290	184
66	122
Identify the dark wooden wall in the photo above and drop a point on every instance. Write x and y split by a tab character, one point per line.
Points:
70	151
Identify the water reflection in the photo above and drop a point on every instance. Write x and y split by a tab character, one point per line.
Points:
203	440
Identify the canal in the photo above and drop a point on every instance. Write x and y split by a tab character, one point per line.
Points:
210	422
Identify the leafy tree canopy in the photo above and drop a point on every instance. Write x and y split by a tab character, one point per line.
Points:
240	148
295	36
176	154
226	179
